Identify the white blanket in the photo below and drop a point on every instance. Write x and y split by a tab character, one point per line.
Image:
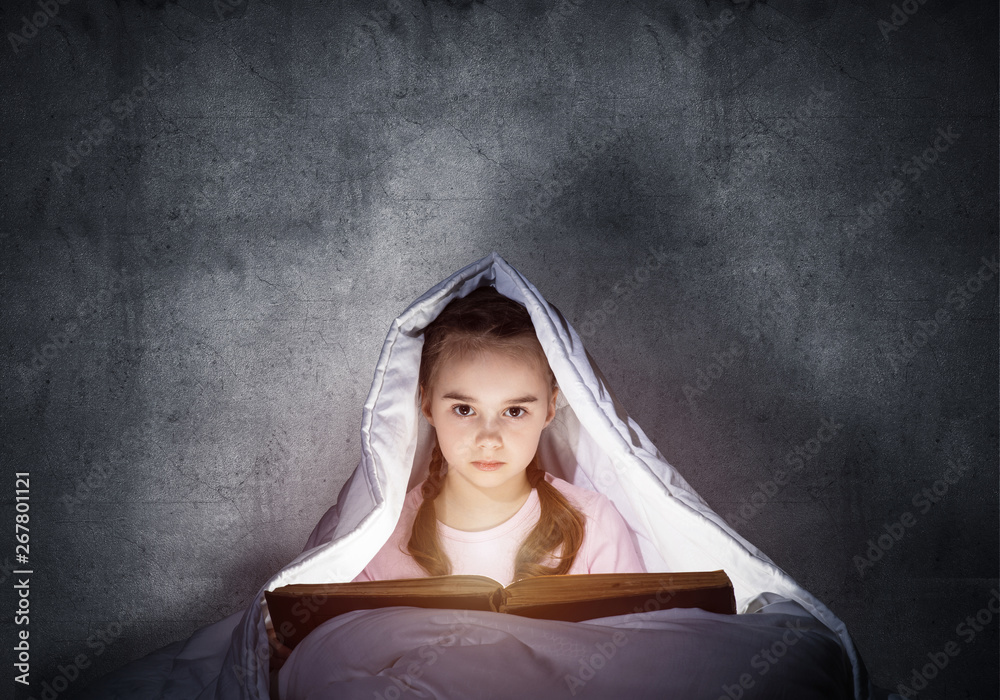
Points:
593	443
691	654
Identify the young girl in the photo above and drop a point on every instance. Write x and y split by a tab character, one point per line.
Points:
487	506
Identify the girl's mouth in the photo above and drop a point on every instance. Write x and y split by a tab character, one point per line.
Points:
488	466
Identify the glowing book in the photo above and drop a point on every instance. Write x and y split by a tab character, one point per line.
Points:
297	609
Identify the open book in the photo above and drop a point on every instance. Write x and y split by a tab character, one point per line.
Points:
299	608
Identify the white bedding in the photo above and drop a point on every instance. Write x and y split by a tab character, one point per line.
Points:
687	654
592	443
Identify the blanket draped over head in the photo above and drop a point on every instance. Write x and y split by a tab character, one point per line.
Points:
591	443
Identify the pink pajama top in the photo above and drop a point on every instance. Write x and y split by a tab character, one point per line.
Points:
607	544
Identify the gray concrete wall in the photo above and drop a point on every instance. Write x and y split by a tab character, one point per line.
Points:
211	216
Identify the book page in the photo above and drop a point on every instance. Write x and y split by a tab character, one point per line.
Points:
566	588
456	585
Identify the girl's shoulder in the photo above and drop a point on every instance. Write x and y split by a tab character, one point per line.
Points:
584	499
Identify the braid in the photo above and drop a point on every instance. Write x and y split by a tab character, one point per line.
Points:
558	524
534	473
423	545
435	479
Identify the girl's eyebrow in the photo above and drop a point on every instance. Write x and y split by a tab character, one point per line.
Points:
468	399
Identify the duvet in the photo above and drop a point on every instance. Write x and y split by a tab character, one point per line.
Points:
780	651
785	642
690	654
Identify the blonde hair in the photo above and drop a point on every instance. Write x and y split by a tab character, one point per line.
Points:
485	320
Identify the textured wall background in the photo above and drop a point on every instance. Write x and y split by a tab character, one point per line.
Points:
212	214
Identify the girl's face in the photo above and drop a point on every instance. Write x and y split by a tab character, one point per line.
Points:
489	411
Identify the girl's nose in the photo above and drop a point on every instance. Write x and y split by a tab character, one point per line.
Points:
488	436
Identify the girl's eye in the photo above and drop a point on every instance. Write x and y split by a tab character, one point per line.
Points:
465	411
